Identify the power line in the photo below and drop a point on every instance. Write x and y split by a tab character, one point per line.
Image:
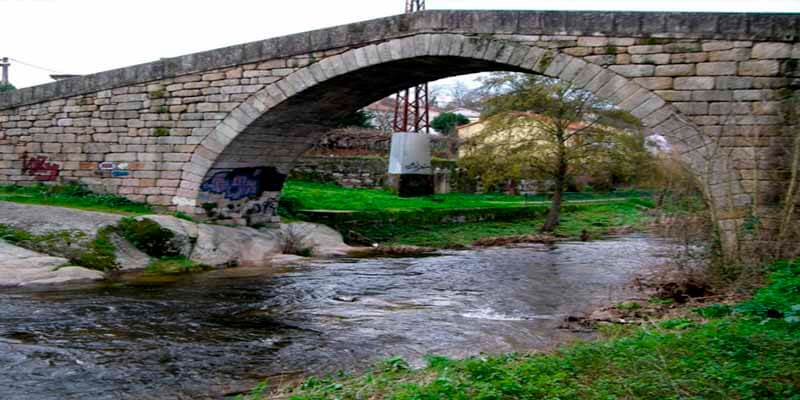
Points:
52	71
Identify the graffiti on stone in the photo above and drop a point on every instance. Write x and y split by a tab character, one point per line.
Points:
241	183
117	170
40	167
268	207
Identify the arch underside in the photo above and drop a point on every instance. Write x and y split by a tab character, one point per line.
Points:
277	125
304	118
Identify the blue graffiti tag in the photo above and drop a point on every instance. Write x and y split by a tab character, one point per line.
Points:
243	183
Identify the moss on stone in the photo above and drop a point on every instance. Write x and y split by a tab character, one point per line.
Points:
174	265
97	253
545	61
160	132
147	236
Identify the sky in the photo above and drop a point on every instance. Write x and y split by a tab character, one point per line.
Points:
87	36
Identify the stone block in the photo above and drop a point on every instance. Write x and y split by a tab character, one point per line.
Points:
693	83
657	58
675	70
682	47
770	50
646	49
733	82
712	95
716	68
592	41
652	104
655	83
716	45
736	54
634	70
692	107
572	69
674	95
605	59
679	58
760	68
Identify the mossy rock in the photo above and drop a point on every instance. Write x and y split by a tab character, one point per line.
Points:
149	237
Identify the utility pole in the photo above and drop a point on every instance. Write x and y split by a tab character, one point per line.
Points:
4	64
411	109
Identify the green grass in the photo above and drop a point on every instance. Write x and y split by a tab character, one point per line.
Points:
752	353
596	220
321	196
173	265
380	216
71	196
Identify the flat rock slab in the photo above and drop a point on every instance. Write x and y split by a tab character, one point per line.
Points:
40	220
22	267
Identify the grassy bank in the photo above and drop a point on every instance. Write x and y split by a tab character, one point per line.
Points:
597	220
746	351
321	196
71	196
455	219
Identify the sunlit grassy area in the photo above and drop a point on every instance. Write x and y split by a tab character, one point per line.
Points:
386	218
321	196
71	196
747	351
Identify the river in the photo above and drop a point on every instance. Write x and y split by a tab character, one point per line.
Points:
204	335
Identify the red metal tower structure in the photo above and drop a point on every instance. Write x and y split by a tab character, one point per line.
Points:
411	109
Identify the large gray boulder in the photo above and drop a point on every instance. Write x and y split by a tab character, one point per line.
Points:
319	240
225	246
22	267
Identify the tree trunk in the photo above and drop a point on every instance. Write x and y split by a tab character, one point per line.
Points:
554	215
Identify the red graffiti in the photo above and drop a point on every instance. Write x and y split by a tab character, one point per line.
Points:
40	168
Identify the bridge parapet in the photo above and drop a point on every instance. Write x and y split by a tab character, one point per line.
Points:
677	25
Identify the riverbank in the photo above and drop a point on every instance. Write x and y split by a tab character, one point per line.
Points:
747	350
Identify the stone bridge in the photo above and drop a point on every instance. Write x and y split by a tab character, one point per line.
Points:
216	132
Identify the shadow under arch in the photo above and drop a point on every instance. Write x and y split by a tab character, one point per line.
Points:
274	126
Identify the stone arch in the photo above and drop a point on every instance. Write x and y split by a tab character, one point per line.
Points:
254	128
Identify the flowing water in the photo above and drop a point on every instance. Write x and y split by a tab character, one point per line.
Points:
205	335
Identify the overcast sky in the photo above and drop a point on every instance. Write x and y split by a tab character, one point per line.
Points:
86	36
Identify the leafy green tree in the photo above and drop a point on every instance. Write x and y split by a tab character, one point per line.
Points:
6	87
542	128
360	119
446	123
